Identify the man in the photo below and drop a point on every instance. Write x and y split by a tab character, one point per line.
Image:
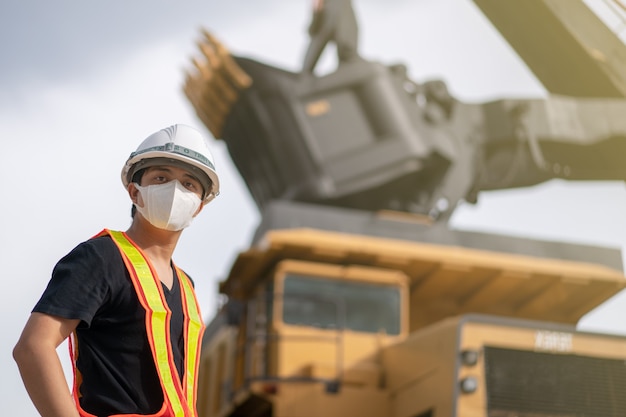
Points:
132	317
333	21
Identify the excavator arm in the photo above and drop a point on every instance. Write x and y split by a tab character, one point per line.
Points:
366	136
570	50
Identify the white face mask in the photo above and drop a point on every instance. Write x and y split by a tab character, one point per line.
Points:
168	206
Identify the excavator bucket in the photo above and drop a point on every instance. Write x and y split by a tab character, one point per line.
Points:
333	138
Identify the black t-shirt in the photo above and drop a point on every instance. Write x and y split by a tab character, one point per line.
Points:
92	284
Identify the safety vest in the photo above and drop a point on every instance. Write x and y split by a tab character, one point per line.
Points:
179	396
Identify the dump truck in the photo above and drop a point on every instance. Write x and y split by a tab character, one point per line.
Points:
356	297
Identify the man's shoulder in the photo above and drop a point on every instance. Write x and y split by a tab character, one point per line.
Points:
102	244
84	280
96	252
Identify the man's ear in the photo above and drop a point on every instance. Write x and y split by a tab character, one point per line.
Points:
133	192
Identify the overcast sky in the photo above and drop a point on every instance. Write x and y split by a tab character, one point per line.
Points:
82	83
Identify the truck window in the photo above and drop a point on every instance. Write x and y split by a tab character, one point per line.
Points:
334	304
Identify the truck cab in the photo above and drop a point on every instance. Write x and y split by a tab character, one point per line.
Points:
305	328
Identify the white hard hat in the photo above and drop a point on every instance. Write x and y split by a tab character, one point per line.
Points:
179	145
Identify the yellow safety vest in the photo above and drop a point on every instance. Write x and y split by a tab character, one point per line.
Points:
179	396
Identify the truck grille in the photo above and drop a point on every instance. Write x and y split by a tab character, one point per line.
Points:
535	384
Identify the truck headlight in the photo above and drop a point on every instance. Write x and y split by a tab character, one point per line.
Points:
468	384
469	357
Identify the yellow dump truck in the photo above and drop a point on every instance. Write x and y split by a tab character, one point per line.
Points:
321	323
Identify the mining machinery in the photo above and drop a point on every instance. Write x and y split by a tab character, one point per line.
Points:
356	297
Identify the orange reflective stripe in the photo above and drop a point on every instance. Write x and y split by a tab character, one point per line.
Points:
193	336
150	294
195	329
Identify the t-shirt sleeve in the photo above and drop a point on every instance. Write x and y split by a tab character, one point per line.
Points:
80	282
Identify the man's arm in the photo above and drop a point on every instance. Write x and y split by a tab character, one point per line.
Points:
40	367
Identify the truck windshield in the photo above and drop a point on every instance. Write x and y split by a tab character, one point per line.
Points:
334	304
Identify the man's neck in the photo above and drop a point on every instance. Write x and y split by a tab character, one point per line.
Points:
157	243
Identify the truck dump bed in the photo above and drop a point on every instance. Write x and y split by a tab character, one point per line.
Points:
445	281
